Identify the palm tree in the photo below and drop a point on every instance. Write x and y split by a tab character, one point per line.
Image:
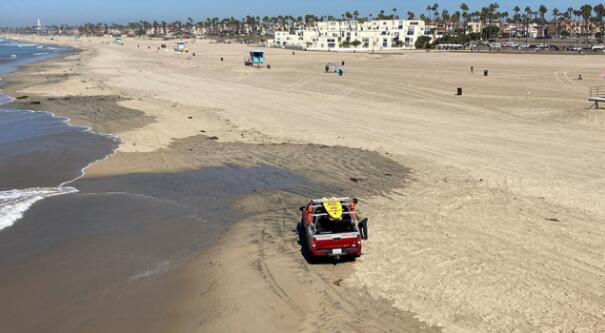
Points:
493	11
556	13
445	16
542	10
600	11
411	15
189	24
156	26
528	12
435	9
429	9
586	15
456	19
395	13
516	17
464	8
570	12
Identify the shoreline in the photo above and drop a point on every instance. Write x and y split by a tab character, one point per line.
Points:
493	224
24	183
191	272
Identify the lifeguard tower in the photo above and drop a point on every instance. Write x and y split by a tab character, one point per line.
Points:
256	58
77	38
117	40
180	46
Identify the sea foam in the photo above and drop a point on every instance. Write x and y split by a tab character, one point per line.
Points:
13	203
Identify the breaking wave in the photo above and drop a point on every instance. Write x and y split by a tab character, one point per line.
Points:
13	203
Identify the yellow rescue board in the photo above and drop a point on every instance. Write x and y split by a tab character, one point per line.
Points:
334	209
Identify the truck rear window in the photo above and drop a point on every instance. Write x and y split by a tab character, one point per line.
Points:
326	226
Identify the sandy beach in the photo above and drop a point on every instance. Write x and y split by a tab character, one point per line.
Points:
486	210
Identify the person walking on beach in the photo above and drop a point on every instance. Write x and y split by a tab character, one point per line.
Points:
472	69
362	224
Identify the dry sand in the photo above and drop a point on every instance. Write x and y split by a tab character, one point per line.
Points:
500	227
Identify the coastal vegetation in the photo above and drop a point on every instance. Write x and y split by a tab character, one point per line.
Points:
460	25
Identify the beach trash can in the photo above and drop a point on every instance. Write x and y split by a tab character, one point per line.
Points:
485	72
459	91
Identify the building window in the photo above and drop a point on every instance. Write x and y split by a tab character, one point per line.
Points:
411	31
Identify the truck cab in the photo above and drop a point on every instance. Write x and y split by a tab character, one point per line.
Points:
329	228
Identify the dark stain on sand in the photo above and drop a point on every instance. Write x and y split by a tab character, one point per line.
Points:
99	259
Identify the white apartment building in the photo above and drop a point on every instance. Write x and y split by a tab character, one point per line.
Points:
352	35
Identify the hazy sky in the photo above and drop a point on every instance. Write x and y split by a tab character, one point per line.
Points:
25	12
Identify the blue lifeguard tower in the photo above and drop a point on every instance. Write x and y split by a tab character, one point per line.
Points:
257	58
118	40
77	38
180	46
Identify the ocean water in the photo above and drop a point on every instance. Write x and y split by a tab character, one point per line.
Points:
39	152
16	53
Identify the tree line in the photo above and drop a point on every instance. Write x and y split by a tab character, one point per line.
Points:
587	16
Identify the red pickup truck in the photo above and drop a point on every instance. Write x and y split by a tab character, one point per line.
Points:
328	228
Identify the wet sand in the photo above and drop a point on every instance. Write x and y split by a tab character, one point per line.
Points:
125	251
106	258
18	171
131	249
494	224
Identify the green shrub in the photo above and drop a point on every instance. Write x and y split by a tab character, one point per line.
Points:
423	42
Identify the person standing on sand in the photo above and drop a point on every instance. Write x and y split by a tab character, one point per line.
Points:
472	69
363	224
